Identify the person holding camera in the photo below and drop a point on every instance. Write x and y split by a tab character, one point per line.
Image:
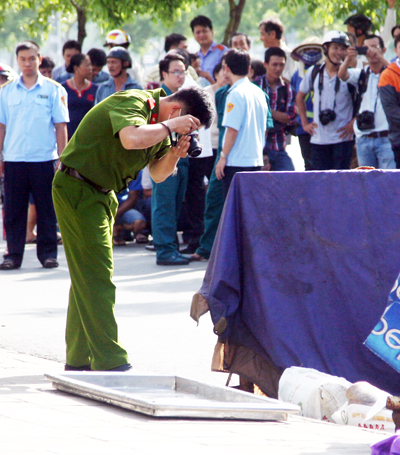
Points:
389	91
115	140
371	126
332	128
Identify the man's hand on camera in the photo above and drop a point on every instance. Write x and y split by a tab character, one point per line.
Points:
180	151
183	125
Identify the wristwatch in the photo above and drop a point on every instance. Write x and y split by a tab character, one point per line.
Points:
223	155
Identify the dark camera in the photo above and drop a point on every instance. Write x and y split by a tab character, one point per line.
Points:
326	116
195	148
362	50
365	120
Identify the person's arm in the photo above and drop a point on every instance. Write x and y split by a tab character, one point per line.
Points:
144	136
390	22
128	204
343	73
165	166
280	117
2	136
230	139
389	99
61	136
302	111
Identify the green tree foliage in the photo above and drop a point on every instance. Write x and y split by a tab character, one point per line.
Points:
330	10
105	13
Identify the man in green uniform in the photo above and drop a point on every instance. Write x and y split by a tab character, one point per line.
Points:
114	141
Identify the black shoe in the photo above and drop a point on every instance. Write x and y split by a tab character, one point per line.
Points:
150	248
190	249
50	263
9	264
189	258
125	367
174	259
82	368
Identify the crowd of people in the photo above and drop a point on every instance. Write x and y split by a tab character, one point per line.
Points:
119	155
338	94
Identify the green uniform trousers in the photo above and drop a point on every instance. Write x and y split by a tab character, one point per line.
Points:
86	218
215	200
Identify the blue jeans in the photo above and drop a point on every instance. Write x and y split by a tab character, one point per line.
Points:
376	152
280	160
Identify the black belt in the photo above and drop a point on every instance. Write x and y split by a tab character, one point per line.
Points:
74	173
377	134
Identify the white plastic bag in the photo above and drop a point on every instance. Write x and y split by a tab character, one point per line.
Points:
319	395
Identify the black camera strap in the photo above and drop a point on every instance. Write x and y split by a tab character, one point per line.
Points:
364	85
321	87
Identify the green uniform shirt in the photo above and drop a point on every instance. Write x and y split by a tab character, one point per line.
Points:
95	150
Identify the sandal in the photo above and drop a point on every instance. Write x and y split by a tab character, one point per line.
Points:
141	238
118	241
50	263
9	264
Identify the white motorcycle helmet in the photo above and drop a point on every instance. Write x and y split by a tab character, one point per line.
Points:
117	37
335	36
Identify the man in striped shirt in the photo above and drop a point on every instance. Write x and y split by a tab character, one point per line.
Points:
282	104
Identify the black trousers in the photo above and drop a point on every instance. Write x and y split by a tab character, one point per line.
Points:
196	195
230	172
20	179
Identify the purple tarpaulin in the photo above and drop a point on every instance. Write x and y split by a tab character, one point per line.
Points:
305	261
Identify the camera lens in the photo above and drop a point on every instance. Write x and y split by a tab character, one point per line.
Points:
195	148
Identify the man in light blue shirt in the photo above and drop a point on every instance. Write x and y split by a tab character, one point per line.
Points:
118	62
33	132
245	120
210	52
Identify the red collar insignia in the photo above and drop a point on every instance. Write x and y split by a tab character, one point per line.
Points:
153	118
152	103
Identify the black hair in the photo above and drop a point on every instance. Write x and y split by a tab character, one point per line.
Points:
258	68
198	102
274	52
238	61
396	40
183	53
238	34
217	69
381	43
76	60
203	21
47	62
360	22
97	56
193	57
71	44
173	40
165	62
26	46
272	24
395	28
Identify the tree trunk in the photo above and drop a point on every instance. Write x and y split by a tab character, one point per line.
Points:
81	16
235	16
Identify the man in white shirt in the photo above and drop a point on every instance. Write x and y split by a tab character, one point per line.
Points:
332	128
371	127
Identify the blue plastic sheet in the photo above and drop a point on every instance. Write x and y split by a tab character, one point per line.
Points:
302	267
384	340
